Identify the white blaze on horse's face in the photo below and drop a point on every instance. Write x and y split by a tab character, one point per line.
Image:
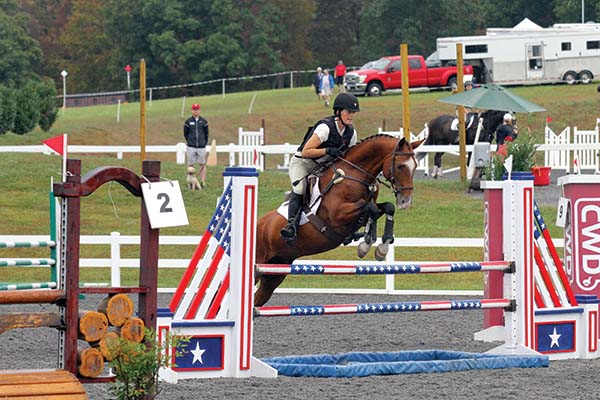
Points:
407	168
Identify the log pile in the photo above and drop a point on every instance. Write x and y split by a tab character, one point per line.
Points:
101	329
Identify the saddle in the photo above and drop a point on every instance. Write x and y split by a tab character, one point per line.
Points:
312	200
468	122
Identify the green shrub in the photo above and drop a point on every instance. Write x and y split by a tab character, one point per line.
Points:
8	110
28	108
136	365
48	104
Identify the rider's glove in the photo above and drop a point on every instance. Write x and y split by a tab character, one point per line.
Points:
333	152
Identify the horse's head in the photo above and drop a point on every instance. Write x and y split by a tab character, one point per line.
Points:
399	169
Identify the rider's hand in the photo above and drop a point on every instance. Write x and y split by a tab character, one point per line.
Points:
333	152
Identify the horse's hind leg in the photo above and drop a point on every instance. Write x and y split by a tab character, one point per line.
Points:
437	165
268	284
388	209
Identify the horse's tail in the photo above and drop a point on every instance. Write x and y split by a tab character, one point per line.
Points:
421	155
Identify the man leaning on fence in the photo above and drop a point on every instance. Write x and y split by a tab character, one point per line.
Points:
195	132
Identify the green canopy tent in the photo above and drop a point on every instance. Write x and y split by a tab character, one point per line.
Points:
493	97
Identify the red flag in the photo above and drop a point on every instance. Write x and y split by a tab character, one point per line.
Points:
548	120
576	164
255	160
56	143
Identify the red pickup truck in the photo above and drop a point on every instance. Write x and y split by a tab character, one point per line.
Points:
386	74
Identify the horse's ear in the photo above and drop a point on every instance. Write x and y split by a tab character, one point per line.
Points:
401	143
416	144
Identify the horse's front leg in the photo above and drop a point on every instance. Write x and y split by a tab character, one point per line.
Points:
388	209
370	234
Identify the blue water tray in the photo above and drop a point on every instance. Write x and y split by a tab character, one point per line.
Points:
356	364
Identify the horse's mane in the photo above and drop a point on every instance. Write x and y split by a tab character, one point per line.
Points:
373	137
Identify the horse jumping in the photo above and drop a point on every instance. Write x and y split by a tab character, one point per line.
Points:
347	206
440	133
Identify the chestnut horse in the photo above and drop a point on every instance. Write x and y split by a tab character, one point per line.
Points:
345	207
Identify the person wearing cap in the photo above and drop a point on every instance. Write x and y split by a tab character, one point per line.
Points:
317	82
195	132
506	129
323	143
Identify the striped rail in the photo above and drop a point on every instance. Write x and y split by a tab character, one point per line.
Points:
26	262
372	308
383	269
7	245
28	286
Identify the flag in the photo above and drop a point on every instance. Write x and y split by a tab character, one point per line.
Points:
576	166
508	165
548	120
210	282
255	160
58	144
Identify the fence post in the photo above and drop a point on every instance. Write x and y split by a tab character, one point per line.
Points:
180	151
223	85
115	259
231	155
390	280
291	79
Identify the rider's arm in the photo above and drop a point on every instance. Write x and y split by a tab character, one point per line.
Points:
311	149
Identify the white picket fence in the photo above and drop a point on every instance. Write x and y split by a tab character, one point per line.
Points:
559	149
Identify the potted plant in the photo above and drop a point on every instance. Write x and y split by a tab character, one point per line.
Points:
522	151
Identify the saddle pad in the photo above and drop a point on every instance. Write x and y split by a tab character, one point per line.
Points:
454	124
315	200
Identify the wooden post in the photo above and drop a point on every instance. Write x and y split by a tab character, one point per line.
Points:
148	253
462	138
405	91
142	110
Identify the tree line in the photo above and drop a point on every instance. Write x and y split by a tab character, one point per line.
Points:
185	41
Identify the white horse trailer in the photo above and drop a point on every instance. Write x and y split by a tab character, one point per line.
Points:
528	53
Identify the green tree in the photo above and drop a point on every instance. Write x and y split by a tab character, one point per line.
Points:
87	49
48	104
28	108
8	109
20	53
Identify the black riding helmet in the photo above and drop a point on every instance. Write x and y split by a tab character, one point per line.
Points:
346	101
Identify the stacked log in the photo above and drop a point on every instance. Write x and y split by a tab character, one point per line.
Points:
102	329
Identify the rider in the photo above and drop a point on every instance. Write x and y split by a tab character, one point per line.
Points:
454	126
328	139
506	129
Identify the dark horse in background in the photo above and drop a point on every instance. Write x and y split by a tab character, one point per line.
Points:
347	206
440	133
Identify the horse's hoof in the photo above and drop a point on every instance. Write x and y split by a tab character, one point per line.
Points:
381	251
362	249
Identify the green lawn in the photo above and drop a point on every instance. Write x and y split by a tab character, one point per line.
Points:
440	209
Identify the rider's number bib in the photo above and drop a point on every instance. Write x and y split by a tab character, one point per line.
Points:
164	204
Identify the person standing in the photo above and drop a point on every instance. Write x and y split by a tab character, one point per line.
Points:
327	140
506	129
317	82
195	132
327	85
340	74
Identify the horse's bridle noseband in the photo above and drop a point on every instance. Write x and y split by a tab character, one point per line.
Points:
392	178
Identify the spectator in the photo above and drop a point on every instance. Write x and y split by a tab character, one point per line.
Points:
327	86
340	74
195	132
506	129
323	143
317	82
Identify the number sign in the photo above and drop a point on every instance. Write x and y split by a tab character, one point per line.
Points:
164	204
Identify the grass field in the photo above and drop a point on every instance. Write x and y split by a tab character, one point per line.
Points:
441	209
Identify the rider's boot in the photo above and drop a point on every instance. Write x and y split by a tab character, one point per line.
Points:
290	231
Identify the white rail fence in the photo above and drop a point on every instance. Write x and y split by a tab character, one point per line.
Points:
559	149
115	262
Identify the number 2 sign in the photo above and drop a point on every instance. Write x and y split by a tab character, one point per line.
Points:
164	204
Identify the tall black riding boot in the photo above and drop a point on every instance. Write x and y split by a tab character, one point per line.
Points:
290	231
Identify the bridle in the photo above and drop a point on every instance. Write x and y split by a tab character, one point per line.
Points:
391	179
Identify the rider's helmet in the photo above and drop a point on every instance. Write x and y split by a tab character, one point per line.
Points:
346	101
508	117
468	83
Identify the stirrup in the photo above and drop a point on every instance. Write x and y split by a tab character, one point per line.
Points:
289	232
